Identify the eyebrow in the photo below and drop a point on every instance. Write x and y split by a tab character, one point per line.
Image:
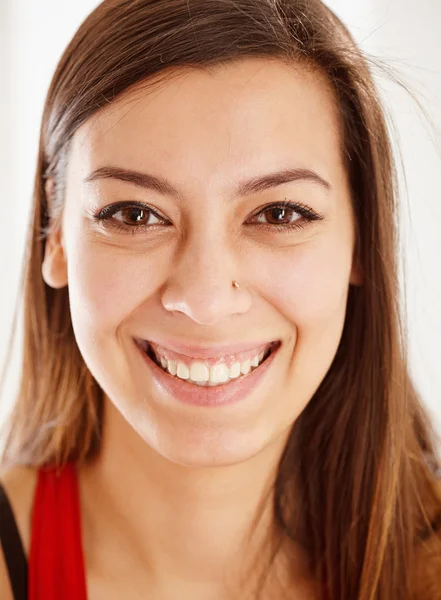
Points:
245	188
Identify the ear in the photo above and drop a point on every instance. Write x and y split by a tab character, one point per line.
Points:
54	267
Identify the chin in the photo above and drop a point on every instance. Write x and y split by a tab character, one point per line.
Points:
198	448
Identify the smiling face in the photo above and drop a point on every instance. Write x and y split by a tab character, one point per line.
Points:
176	169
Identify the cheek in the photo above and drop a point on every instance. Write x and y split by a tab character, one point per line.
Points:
107	285
306	283
309	284
311	292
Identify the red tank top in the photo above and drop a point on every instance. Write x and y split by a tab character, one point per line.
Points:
56	563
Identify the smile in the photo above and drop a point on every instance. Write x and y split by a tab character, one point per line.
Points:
207	394
210	372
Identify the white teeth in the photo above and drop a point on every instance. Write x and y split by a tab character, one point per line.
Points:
172	366
199	372
235	370
219	373
255	361
245	367
183	371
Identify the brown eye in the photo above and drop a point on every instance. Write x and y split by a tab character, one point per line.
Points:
129	218
134	216
280	215
285	216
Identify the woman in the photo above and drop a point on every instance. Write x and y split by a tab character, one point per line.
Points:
215	401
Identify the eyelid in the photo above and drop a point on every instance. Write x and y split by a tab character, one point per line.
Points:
299	207
112	209
104	216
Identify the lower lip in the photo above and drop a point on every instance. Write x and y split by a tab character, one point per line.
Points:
221	395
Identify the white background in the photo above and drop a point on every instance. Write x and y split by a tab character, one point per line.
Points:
405	33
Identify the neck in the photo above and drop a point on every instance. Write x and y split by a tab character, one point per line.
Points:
176	519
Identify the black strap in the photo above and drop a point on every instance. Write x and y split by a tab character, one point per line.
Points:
13	551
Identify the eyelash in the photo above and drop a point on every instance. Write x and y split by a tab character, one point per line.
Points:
308	216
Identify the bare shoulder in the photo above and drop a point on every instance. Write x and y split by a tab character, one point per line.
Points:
19	484
5	587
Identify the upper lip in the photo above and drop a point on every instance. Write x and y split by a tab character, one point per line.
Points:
205	351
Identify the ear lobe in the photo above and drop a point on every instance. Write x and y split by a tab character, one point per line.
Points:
54	267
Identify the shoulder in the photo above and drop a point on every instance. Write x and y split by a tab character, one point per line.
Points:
19	485
5	587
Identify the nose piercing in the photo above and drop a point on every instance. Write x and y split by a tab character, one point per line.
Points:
235	284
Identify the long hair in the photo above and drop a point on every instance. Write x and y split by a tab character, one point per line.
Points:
356	483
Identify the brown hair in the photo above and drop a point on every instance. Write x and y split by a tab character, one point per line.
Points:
356	484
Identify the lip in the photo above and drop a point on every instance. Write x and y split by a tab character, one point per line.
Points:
229	360
206	352
226	394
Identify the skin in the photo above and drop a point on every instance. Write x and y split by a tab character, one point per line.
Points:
197	477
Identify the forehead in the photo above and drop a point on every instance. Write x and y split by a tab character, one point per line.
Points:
200	126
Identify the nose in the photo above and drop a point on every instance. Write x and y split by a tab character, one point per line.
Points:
201	284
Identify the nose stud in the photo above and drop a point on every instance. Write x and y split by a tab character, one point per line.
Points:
235	284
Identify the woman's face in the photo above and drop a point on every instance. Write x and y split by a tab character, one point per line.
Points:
160	268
